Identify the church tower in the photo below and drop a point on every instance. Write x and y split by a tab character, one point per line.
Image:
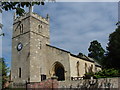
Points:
30	36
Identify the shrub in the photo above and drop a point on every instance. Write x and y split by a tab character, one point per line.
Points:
105	73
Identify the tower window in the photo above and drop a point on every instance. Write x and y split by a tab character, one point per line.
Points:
21	28
19	72
40	28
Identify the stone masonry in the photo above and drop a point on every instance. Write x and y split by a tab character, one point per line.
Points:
34	59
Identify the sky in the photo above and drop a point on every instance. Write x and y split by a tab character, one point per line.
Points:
72	25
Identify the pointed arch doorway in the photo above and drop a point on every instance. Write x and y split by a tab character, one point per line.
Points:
59	71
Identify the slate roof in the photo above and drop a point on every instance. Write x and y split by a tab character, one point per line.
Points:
98	65
58	48
84	57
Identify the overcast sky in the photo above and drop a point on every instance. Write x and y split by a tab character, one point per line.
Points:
72	25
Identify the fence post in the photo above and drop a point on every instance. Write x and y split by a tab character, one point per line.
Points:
26	85
53	78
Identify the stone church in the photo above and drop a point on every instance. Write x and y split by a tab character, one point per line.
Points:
34	59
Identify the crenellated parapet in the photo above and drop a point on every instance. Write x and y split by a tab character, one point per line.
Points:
34	15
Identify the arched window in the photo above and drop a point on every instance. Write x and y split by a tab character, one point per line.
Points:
77	64
91	68
85	67
21	28
40	28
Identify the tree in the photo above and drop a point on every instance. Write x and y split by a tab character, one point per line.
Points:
96	51
113	50
5	70
80	54
18	6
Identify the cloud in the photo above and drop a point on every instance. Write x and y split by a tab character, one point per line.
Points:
72	25
75	25
7	39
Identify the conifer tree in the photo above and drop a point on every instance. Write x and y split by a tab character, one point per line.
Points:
113	50
96	51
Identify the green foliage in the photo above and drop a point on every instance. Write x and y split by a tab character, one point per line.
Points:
19	6
4	72
113	50
105	73
80	54
96	51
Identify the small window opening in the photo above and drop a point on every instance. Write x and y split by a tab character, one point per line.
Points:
19	72
43	77
40	28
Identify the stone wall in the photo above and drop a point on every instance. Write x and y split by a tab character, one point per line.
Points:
29	61
54	56
50	83
95	83
82	68
102	83
21	58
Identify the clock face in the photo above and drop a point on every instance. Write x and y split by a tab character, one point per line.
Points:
19	46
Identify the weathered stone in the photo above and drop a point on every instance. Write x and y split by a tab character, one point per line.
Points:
36	59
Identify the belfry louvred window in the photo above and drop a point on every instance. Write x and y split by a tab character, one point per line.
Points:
21	28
